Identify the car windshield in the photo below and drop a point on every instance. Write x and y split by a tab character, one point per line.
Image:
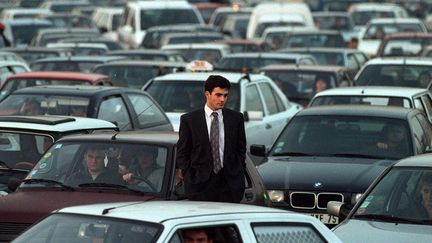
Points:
116	165
194	39
394	75
209	55
328	58
402	195
73	66
156	17
330	22
80	228
20	150
362	17
181	97
334	135
251	63
405	47
391	28
361	100
299	85
22	35
130	76
313	40
42	104
17	83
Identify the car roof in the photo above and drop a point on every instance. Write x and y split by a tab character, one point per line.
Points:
399	61
393	20
54	123
157	137
265	55
374	91
358	110
81	90
161	211
202	76
59	75
240	41
423	160
27	21
161	4
12	63
291	67
80	58
320	49
409	35
214	46
137	51
144	63
381	7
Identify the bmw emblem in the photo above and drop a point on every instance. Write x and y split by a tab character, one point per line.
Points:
318	185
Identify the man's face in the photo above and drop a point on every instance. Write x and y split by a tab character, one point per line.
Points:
30	109
217	98
196	237
95	160
426	191
145	159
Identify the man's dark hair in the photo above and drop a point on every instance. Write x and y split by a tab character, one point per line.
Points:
209	232
214	81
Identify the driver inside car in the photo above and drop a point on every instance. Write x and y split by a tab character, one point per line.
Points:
145	172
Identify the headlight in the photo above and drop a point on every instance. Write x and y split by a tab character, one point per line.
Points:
355	198
276	196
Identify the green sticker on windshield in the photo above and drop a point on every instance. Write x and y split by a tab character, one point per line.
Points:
366	202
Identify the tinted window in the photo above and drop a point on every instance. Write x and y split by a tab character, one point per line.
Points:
153	17
148	114
129	76
361	100
114	109
269	99
252	63
282	232
253	99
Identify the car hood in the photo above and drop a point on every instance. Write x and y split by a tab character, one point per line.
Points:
335	174
28	206
354	231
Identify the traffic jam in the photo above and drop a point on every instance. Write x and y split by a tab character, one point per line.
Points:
180	121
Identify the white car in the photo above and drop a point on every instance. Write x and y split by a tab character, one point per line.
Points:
168	221
369	40
376	95
266	108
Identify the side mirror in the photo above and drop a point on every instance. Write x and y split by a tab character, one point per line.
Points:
13	183
334	208
258	150
253	115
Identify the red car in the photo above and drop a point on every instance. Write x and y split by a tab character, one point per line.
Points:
29	79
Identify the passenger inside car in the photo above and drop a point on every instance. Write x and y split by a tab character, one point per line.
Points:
394	140
197	235
30	107
426	195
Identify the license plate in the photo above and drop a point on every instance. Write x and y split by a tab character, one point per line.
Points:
326	218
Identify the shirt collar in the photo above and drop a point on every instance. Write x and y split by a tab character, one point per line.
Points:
209	111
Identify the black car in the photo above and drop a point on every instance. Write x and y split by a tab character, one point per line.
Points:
48	186
130	109
333	153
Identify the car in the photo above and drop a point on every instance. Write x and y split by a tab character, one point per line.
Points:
272	19
50	187
141	15
221	14
209	52
154	34
348	57
190	37
45	36
147	54
335	20
20	32
6	55
26	138
334	153
108	19
81	48
275	35
72	63
253	61
130	109
135	74
377	95
158	223
63	6
362	13
313	38
404	44
206	9
111	44
28	79
179	93
7	68
395	71
69	20
31	53
19	13
236	25
245	45
370	39
297	81
393	207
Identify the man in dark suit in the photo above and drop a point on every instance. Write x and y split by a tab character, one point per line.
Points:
211	148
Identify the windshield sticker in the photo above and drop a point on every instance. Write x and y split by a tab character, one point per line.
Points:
34	172
366	202
42	166
58	146
47	155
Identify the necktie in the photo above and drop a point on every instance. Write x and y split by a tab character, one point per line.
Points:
214	142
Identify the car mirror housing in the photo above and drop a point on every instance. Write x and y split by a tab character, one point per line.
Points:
334	208
258	150
253	115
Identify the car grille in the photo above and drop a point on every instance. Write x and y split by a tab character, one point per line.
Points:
8	231
310	200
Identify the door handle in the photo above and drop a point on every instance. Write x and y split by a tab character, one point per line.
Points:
268	126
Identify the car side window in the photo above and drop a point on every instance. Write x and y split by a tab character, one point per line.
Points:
253	99
19	69
420	142
427	101
269	98
352	63
418	104
114	109
283	232
361	58
148	114
427	130
217	234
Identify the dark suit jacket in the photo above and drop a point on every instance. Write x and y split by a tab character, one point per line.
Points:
194	151
106	176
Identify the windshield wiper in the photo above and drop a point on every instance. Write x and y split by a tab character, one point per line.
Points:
353	155
34	181
292	154
109	185
389	218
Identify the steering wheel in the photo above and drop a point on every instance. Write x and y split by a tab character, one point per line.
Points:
146	181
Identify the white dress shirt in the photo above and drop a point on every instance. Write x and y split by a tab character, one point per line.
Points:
209	119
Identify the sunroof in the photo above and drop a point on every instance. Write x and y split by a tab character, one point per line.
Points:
45	120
